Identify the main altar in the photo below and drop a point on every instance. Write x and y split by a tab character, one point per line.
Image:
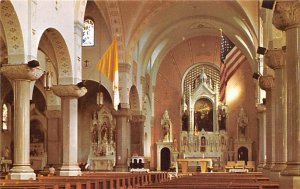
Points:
203	133
203	129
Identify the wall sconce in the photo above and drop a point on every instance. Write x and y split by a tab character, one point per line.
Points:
47	80
256	75
261	50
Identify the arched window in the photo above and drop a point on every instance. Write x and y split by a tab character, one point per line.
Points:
4	117
88	33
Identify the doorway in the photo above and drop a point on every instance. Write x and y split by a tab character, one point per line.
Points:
165	159
243	154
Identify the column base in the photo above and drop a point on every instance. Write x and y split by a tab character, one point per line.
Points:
290	182
266	169
22	172
260	166
70	171
278	166
22	176
292	169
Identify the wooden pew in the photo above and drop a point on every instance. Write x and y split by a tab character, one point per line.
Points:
89	180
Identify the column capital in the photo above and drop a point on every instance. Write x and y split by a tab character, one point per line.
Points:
21	71
266	82
69	91
286	14
260	108
275	59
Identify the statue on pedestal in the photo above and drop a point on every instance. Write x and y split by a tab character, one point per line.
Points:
242	122
166	127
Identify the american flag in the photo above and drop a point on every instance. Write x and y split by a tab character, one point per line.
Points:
231	59
226	46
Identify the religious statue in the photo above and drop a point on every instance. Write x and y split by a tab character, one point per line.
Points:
185	121
6	153
222	119
95	134
175	145
104	132
242	122
166	127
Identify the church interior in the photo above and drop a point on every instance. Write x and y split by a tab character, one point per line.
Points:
180	89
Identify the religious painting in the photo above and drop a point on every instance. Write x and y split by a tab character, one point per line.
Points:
203	115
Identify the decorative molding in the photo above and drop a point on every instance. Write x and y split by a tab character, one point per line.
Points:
266	82
260	108
124	67
286	14
275	59
137	119
21	71
69	91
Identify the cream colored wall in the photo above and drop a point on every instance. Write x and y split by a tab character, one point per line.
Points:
94	53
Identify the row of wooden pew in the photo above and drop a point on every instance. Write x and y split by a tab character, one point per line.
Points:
251	180
89	180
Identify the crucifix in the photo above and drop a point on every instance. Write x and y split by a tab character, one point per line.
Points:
86	63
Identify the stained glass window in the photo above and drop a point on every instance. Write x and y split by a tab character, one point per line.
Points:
4	117
88	33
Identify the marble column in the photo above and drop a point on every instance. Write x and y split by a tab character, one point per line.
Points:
266	83
275	59
137	134
21	75
261	110
286	17
69	95
123	151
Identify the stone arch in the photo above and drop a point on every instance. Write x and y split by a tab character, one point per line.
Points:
62	61
79	11
12	33
134	101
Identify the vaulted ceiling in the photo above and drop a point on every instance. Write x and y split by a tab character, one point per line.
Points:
158	26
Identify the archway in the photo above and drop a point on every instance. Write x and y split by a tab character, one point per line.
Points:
165	160
243	154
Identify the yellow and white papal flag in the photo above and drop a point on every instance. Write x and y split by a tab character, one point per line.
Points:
108	65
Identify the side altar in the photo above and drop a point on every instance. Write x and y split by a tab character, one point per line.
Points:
102	154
